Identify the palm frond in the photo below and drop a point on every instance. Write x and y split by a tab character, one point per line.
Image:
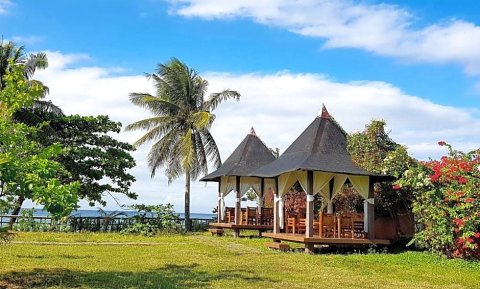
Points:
155	104
201	119
162	152
211	148
152	134
43	106
187	151
216	98
149	123
34	62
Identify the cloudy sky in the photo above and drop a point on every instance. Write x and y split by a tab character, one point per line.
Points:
415	64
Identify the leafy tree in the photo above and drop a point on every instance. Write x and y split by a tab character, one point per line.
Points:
181	124
92	156
29	171
374	151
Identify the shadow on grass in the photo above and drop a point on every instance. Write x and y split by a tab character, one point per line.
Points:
169	276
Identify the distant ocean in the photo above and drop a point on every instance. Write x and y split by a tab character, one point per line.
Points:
96	213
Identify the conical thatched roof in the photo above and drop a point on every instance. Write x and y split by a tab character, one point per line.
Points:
322	146
250	155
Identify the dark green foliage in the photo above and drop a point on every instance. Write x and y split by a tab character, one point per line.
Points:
370	147
92	157
374	151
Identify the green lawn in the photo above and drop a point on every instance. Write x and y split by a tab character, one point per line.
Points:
201	261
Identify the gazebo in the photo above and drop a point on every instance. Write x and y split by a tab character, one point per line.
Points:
318	159
234	175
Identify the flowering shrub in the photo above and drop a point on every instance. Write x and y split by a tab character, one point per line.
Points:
447	203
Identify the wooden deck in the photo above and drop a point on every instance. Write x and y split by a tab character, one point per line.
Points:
300	238
238	227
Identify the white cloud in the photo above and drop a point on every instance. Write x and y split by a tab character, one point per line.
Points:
5	6
279	106
378	28
28	39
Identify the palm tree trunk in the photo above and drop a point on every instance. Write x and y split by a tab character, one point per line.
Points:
187	201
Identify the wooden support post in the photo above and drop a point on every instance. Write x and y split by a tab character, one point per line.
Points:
219	212
238	209
309	207
330	193
371	211
261	204
276	224
309	248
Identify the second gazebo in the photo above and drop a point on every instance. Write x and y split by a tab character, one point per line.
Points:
318	159
234	176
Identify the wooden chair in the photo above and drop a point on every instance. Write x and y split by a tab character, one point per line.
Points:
230	215
358	226
251	215
301	225
243	216
328	226
316	227
345	225
291	225
266	216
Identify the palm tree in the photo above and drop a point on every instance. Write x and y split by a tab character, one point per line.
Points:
32	62
181	124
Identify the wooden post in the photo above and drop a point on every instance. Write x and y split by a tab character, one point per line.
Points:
238	209
276	224
330	194
371	211
309	248
261	204
309	207
219	212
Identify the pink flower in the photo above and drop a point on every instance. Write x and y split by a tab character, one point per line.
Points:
441	143
477	235
462	180
396	187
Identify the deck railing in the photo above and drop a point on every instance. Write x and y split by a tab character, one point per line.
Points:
91	224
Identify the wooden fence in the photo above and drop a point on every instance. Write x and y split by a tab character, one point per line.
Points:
92	224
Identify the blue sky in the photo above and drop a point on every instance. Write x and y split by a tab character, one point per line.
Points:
415	64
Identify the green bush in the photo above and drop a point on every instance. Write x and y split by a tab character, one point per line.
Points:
153	219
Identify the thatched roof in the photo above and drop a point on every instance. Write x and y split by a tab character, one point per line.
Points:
322	146
250	155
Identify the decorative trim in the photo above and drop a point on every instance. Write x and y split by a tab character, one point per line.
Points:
310	198
237	200
370	201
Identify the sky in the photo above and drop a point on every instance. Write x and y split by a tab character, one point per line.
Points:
414	64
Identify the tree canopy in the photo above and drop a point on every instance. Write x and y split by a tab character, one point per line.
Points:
95	159
28	170
374	150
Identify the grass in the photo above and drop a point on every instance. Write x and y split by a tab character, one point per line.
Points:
89	260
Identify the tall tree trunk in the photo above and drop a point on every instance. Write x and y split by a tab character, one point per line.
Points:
16	211
187	201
